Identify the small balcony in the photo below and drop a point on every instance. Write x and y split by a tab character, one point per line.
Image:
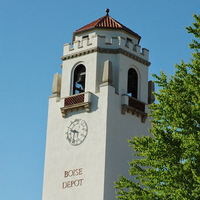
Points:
134	106
76	102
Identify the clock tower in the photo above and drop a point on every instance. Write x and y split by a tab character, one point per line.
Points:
97	104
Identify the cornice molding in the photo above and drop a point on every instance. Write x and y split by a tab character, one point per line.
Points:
134	111
108	51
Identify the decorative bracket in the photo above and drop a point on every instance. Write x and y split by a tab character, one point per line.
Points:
134	107
76	102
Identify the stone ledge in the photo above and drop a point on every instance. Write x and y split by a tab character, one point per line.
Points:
108	51
134	111
75	107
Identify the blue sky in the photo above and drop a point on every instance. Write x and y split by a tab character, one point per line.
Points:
32	34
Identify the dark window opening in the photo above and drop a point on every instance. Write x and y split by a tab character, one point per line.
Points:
132	89
85	36
128	41
79	79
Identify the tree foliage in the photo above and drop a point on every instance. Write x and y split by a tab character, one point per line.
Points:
167	165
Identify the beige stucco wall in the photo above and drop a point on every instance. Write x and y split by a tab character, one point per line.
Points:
104	153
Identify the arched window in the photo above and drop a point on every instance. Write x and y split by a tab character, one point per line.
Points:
79	79
132	88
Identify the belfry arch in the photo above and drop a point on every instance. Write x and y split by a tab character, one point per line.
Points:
79	74
132	85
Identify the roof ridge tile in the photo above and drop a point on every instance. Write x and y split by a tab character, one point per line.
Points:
107	22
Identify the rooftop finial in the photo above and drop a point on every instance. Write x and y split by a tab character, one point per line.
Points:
107	11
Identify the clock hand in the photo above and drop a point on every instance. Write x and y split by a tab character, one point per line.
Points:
77	133
73	131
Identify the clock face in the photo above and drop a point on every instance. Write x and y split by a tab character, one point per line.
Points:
77	132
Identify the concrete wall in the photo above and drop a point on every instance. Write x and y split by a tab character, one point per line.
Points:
89	156
120	128
103	155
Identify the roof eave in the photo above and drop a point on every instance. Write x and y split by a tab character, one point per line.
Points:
135	35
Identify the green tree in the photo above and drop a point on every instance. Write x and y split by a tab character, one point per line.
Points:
167	165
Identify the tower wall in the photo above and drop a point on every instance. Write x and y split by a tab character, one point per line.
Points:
89	156
87	171
120	128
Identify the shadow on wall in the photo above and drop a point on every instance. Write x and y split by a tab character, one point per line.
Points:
94	105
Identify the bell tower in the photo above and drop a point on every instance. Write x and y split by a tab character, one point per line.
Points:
97	104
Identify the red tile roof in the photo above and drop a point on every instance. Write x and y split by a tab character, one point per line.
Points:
107	22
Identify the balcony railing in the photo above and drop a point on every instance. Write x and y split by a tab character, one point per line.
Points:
73	100
76	102
134	103
134	106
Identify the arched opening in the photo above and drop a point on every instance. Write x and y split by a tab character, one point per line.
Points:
132	88
79	79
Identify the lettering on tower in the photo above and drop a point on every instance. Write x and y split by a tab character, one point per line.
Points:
73	178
